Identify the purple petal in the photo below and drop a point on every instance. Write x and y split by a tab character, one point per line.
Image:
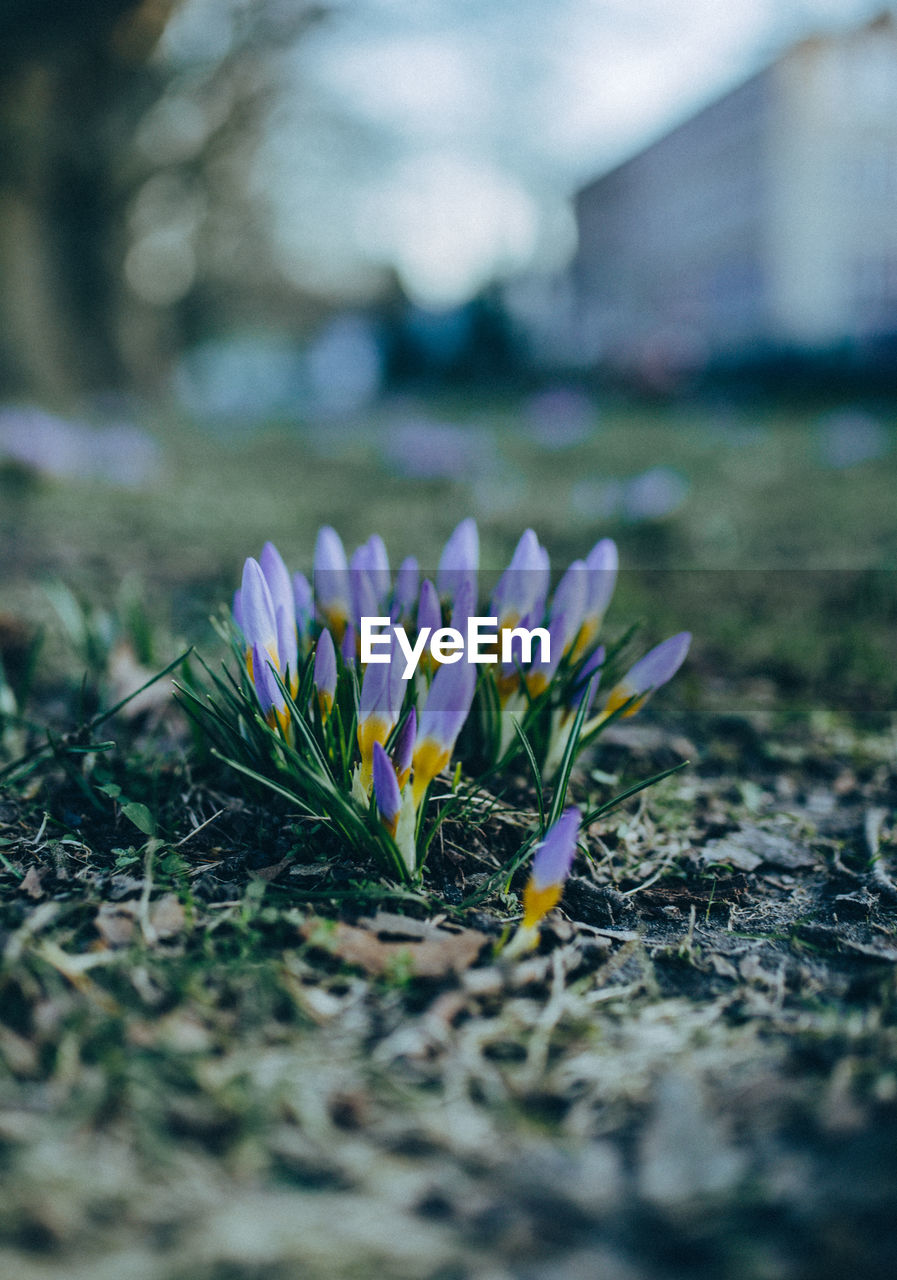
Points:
460	559
277	578
397	684
331	572
524	583
386	787
302	601
602	561
404	744
349	645
325	665
378	566
429	613
448	702
269	694
383	688
364	595
554	856
658	665
465	604
407	580
259	620
287	647
571	599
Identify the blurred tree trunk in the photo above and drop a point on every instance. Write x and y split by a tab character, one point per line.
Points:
73	84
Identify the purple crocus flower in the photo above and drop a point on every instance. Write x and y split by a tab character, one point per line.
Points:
447	707
303	603
363	592
387	796
378	566
406	591
658	666
381	701
524	584
464	606
460	559
349	645
281	589
571	599
258	619
325	672
277	577
551	866
331	579
602	562
403	750
429	612
269	632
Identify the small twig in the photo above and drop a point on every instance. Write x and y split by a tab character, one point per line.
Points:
872	830
191	834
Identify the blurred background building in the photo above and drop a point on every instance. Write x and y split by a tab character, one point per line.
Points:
266	207
763	225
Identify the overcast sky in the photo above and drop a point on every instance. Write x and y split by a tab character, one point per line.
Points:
444	137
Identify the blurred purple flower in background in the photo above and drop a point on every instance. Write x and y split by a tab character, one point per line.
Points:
424	449
120	454
652	495
560	417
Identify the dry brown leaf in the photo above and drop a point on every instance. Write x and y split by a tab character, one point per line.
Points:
271	872
115	923
396	943
31	884
167	916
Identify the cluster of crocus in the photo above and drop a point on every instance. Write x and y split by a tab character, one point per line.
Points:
365	740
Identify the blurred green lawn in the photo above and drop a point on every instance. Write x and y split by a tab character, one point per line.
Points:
777	551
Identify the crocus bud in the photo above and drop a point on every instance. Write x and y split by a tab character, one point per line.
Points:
551	866
379	706
403	749
405	597
378	566
464	607
348	646
571	599
364	596
447	707
522	586
429	614
331	579
657	666
259	623
602	563
303	603
459	560
387	795
277	578
325	673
